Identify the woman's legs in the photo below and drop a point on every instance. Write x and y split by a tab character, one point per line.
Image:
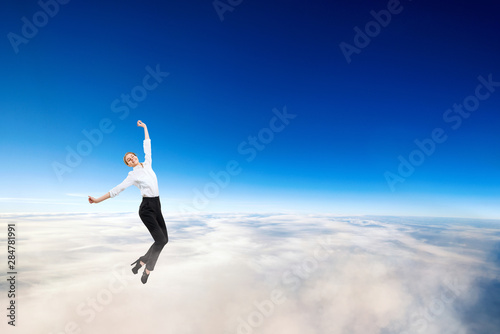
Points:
150	213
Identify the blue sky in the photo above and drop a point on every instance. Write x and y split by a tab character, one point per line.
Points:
353	119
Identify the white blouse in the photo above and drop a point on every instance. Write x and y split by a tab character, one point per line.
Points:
143	177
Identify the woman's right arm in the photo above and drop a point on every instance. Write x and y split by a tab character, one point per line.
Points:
100	199
115	191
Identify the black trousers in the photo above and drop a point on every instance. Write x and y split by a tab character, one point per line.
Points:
150	213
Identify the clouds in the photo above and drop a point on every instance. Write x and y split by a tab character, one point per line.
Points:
242	273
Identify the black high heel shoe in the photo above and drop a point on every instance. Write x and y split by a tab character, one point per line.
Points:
138	265
144	277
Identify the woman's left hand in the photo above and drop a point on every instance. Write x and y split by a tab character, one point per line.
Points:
141	124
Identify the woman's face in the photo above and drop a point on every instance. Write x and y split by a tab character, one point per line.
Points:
131	160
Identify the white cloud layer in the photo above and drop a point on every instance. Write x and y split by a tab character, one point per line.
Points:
250	273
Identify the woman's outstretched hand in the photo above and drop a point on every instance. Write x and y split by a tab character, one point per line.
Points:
142	125
100	199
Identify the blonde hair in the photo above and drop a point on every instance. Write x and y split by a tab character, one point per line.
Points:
126	156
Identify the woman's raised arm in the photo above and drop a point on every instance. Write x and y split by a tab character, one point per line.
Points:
142	125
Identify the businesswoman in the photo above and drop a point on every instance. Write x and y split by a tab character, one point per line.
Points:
143	177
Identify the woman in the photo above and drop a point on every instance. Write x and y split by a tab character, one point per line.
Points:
144	178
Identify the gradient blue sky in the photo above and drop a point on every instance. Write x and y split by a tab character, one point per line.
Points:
353	119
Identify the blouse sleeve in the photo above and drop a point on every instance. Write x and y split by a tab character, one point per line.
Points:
147	151
122	186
